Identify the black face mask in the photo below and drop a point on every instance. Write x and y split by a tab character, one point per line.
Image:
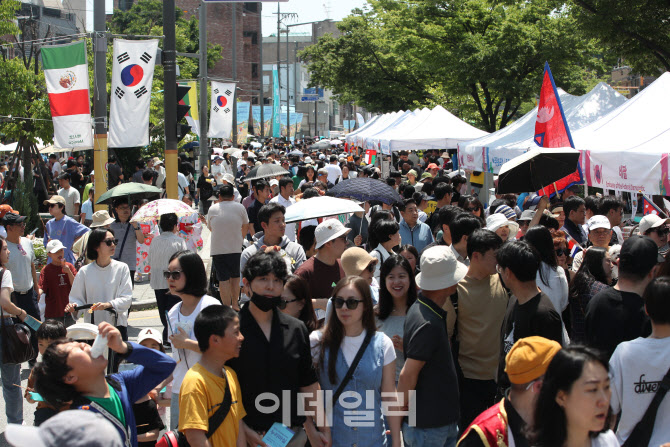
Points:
264	303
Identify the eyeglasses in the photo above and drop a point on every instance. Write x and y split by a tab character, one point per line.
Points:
562	251
350	302
662	231
174	274
283	303
109	242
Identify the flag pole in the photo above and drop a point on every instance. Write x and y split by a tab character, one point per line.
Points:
100	156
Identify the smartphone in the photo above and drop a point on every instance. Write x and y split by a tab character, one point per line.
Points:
167	317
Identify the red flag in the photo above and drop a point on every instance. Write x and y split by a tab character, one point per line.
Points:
551	130
649	207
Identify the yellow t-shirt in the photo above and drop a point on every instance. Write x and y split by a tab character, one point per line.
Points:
200	396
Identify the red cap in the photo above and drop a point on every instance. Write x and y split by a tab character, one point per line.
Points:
433	166
4	209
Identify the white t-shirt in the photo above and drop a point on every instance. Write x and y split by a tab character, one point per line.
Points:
71	196
7	281
186	357
607	439
56	169
20	264
351	345
225	220
334	172
636	368
182	184
557	290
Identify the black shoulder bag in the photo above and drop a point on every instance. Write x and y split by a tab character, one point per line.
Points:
641	434
123	244
176	438
352	367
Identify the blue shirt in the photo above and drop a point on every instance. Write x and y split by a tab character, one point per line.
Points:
419	236
87	208
65	230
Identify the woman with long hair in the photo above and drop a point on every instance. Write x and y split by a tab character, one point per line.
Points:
573	407
187	279
397	292
410	253
296	301
310	175
472	205
349	329
227	164
387	233
593	276
550	278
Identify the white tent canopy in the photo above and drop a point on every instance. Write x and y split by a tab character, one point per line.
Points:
400	121
492	151
627	150
401	128
438	130
350	136
380	124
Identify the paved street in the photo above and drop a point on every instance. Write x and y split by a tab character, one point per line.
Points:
143	315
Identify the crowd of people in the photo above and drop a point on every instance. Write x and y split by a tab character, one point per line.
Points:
430	321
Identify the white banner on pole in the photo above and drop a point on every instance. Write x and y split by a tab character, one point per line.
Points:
132	76
221	110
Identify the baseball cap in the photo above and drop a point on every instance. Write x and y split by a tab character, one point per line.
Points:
54	200
529	359
440	269
229	178
12	219
355	260
412	172
274	182
150	334
328	230
74	428
426	175
599	221
432	166
54	245
639	254
651	221
4	209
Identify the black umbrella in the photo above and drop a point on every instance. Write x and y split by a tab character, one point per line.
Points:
536	169
364	189
133	191
265	171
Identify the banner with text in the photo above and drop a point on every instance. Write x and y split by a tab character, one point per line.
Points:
243	109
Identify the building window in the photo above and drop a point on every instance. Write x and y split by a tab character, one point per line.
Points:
254	71
250	7
254	100
253	35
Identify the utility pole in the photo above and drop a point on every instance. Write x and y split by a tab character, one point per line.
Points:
280	17
100	100
288	92
204	146
260	52
279	59
234	67
170	97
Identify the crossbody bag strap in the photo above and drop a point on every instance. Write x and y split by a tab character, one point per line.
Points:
641	434
125	236
222	412
352	368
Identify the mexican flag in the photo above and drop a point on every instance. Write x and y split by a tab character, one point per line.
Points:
66	72
191	99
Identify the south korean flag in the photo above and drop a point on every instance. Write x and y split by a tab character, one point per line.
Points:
132	75
221	112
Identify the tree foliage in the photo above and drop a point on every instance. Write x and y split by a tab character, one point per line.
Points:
637	31
484	56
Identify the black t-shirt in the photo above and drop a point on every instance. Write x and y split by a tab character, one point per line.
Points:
612	317
147	419
206	188
425	338
114	173
535	317
252	213
283	363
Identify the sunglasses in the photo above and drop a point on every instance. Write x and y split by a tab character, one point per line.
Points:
662	231
350	302
283	303
109	242
562	251
472	210
175	274
51	205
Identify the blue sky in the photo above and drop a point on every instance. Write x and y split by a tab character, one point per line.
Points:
308	11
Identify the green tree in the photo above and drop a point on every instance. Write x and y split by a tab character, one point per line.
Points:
481	55
637	31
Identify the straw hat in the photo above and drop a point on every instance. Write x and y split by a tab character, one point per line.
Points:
355	260
101	219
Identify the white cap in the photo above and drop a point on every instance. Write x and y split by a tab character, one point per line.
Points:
54	245
651	221
150	334
440	269
328	230
76	428
497	220
598	221
274	182
308	160
322	156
